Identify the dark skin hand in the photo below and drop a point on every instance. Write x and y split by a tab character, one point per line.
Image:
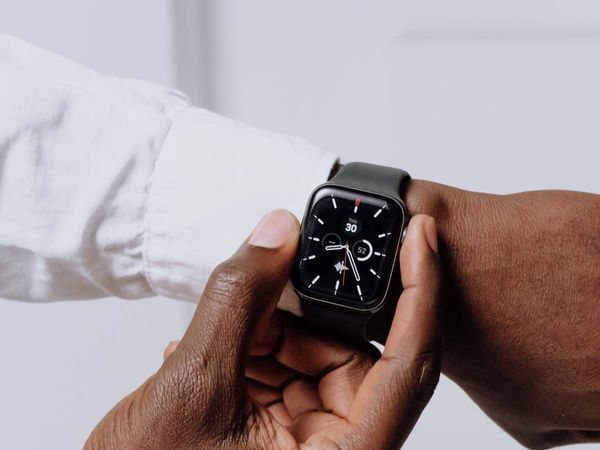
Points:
522	335
245	376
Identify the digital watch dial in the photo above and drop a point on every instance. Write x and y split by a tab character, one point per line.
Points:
348	247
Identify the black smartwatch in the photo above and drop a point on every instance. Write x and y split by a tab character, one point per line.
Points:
346	270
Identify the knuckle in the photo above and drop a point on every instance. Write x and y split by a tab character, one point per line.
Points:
428	369
418	375
234	275
232	279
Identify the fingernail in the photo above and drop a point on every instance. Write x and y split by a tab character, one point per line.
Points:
431	234
274	230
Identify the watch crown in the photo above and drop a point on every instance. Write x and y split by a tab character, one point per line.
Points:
403	235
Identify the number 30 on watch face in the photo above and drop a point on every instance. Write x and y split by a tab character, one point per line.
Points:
348	247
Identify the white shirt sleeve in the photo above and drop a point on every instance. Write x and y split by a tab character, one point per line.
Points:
121	188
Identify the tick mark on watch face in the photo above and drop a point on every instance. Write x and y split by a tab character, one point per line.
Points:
374	273
315	279
333	201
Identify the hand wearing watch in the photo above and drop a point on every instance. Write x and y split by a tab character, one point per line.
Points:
346	269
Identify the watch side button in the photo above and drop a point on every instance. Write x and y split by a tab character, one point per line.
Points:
403	235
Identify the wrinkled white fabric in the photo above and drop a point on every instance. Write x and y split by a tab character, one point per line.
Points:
121	188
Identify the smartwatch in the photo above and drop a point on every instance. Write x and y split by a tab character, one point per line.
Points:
346	270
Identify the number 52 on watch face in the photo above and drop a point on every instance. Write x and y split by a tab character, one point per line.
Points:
348	247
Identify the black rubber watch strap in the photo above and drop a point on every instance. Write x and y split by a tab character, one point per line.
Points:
338	321
370	178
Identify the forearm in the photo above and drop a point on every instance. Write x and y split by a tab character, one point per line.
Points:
522	326
532	256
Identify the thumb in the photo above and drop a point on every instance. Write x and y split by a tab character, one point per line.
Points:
401	383
241	292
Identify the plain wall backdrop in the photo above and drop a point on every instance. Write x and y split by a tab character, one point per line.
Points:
497	96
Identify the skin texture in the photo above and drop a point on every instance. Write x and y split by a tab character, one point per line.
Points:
245	376
522	335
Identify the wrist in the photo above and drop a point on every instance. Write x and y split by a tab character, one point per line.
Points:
453	210
425	197
445	204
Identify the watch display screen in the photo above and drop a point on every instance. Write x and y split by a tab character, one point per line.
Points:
348	247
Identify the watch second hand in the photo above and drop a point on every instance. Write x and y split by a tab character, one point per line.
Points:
343	271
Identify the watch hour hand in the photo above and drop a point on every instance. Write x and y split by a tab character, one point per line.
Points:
334	247
353	265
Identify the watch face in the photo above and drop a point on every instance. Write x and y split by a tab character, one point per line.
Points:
348	247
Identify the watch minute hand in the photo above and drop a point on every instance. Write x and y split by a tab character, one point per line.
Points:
353	265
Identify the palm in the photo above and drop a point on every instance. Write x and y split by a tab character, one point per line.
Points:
306	386
280	384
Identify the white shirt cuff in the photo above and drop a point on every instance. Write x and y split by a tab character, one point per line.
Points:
214	179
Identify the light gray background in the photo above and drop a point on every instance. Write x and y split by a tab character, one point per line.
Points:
495	96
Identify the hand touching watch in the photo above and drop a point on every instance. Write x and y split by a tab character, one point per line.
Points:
245	376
